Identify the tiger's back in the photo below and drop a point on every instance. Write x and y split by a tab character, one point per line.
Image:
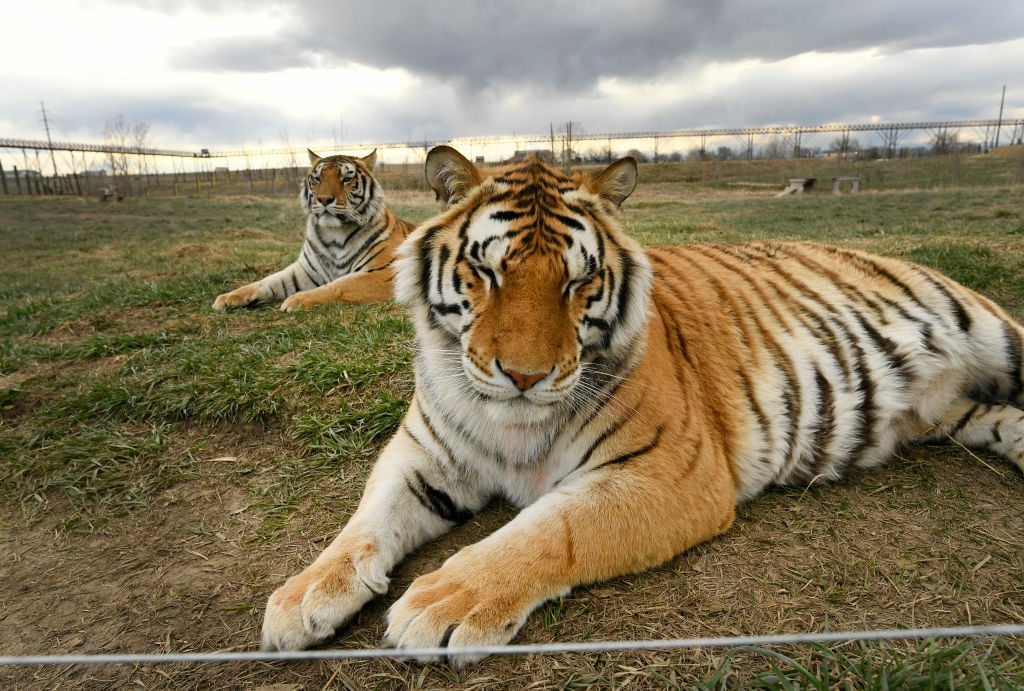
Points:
835	357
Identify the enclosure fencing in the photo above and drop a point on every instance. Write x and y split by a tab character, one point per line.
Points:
89	168
521	649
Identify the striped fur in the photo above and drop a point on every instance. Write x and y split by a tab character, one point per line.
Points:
349	249
628	399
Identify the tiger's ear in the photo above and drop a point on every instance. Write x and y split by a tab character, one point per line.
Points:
370	160
313	158
616	182
450	174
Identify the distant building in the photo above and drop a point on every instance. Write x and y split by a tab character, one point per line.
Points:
22	174
545	155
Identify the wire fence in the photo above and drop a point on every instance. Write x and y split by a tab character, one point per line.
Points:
586	648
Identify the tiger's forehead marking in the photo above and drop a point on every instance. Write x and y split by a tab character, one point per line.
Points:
342	163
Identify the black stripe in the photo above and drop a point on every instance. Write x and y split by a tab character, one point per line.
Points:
358	257
825	429
443	255
507	215
762	418
326	262
426	246
638	452
866	388
963	318
436	500
369	259
445	308
885	344
570	222
876	267
602	400
962	422
435	435
1013	354
604	436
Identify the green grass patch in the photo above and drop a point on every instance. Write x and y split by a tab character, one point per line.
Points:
877	666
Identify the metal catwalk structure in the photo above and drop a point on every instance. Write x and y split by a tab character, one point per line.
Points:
891	134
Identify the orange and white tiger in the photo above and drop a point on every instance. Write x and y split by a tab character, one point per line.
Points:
628	399
350	243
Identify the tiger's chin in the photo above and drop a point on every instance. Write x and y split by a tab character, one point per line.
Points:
514	410
326	219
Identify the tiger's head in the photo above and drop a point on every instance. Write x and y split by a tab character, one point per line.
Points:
527	280
341	190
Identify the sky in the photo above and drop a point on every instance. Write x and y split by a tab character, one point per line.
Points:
227	74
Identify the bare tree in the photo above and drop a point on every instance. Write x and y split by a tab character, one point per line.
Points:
639	155
140	140
845	145
569	131
945	142
116	132
891	137
776	147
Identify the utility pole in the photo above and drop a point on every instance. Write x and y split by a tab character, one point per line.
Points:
49	142
999	122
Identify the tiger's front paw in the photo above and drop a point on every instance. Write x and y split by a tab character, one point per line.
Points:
241	297
303	300
311	606
459	608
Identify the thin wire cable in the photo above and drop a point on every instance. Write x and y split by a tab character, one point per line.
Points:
524	649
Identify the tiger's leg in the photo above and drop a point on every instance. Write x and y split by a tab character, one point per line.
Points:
998	427
365	286
272	288
408	500
619	519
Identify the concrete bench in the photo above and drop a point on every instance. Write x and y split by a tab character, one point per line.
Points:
798	186
837	183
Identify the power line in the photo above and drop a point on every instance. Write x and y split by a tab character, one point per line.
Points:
49	141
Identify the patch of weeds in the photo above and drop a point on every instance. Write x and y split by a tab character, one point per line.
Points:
351	431
977	266
100	469
968	664
108	344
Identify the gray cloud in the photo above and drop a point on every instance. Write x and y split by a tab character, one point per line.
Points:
485	68
566	44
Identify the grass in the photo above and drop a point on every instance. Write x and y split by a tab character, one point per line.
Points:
871	666
128	408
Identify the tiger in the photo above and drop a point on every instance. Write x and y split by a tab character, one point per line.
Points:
350	243
629	399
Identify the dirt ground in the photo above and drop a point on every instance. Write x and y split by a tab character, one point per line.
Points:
934	539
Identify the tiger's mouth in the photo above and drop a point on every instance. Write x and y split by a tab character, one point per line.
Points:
500	389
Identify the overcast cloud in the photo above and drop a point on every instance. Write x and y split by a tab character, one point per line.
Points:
227	74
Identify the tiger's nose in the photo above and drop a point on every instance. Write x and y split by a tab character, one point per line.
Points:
325	200
524	380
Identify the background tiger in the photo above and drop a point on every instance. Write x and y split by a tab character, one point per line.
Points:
351	237
629	398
